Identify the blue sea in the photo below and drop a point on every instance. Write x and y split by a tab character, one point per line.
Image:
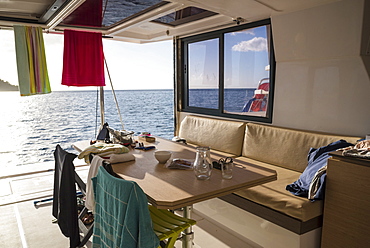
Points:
32	126
234	99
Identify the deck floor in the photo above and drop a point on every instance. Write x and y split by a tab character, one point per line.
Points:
24	224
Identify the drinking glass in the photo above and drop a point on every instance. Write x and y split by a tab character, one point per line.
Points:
227	169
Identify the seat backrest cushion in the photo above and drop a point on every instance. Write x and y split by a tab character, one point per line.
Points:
222	135
285	147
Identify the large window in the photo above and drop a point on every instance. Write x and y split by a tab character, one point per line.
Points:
230	72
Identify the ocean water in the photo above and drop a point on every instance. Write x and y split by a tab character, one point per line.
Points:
234	99
32	126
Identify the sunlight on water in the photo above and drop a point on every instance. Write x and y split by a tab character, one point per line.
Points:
32	126
11	127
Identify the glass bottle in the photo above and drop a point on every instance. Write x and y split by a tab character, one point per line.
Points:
202	164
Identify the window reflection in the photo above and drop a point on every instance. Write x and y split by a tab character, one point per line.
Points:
203	74
182	16
246	68
117	10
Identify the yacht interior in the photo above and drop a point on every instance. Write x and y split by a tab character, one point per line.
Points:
316	62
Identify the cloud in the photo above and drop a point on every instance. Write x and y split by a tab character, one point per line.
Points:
257	44
248	31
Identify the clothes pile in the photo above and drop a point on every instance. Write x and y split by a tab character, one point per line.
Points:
311	183
360	150
102	149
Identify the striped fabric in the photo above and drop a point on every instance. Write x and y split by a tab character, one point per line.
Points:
122	218
33	75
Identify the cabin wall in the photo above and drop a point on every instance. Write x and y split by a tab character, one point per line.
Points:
321	80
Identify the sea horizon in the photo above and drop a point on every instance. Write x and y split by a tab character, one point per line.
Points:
32	126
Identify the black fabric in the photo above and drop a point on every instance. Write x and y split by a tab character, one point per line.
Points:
109	169
104	133
64	195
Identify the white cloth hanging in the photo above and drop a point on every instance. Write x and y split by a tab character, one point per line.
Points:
93	171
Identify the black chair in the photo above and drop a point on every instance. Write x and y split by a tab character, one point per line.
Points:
65	199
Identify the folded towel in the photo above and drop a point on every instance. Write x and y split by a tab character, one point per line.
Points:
120	158
102	149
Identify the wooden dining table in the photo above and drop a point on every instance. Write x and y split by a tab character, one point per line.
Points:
176	188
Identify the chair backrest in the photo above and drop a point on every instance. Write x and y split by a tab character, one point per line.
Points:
64	195
122	218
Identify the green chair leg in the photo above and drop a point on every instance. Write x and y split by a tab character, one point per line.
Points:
168	226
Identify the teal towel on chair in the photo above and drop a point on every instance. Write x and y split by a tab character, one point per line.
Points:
122	218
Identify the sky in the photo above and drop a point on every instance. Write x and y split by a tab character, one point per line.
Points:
131	66
246	56
245	61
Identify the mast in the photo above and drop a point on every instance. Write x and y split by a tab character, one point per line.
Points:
101	106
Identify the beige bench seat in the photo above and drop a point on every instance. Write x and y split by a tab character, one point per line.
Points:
281	149
285	151
275	196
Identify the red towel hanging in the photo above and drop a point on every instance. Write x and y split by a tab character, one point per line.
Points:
83	59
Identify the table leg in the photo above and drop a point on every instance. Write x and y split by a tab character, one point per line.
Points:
187	239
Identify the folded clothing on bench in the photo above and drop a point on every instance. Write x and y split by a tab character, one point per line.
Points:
317	161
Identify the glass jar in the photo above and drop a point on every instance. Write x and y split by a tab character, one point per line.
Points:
202	164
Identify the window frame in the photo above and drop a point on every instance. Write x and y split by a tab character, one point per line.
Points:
183	59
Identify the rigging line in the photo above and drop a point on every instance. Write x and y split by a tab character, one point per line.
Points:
114	94
104	9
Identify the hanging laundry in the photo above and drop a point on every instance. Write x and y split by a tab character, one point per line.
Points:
33	75
83	59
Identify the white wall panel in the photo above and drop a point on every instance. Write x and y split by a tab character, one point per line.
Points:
328	31
321	82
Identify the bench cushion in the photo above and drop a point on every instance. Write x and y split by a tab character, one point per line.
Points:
275	196
284	147
221	135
